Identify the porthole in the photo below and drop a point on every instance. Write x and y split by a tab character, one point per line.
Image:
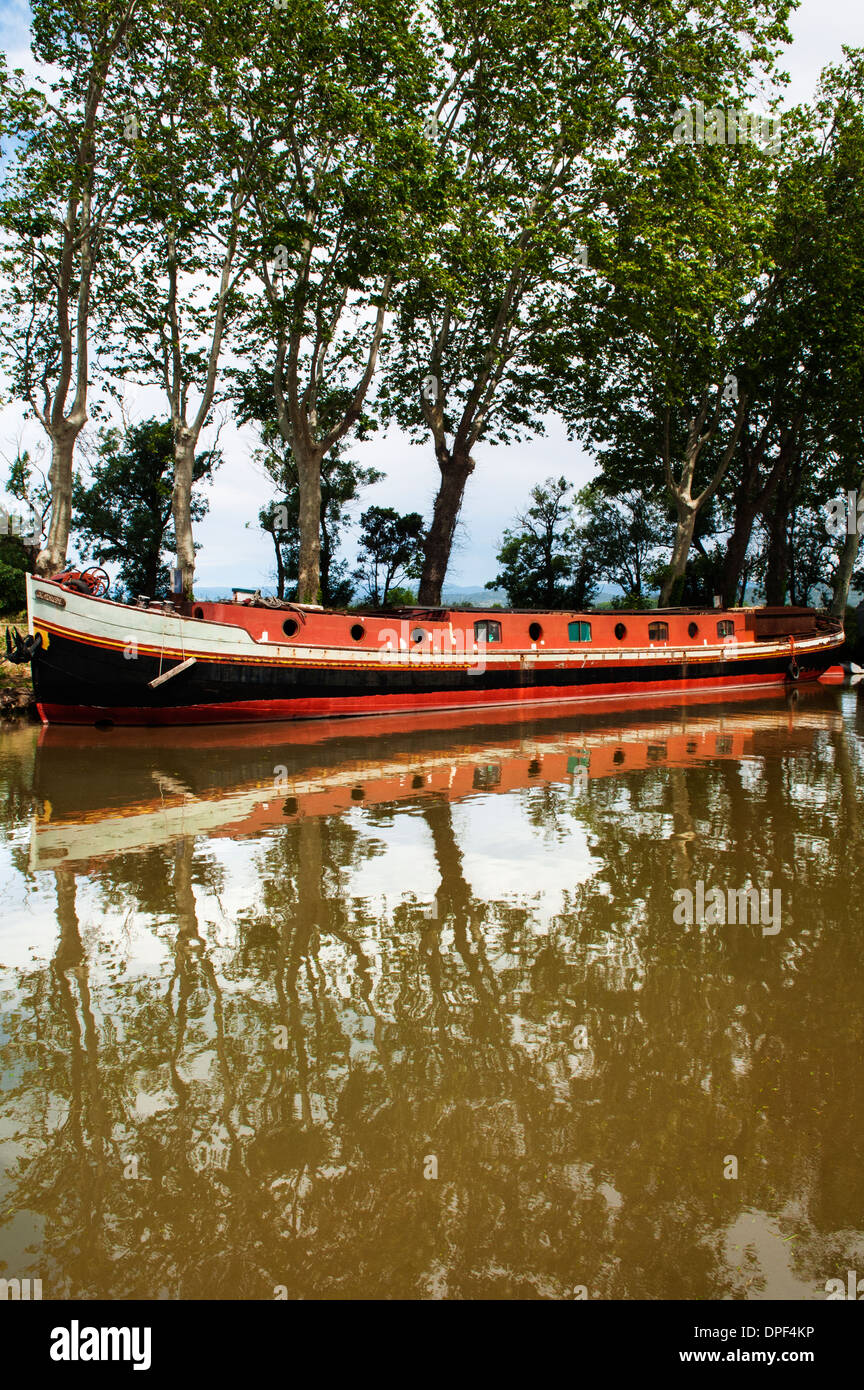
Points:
419	634
693	630
358	632
620	631
535	632
289	627
199	612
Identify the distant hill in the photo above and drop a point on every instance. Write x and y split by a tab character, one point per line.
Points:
479	598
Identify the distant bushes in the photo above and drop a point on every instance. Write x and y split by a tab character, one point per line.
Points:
14	565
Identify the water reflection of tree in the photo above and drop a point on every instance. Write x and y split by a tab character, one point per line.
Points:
17	763
579	1089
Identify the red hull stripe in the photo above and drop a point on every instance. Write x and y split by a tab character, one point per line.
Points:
252	711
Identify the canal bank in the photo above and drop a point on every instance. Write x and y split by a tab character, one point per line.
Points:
16	694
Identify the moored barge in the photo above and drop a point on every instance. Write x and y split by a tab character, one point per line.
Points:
95	660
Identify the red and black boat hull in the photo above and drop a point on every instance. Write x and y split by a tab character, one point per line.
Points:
81	684
96	661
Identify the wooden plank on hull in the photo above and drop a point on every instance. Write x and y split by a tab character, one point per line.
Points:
175	671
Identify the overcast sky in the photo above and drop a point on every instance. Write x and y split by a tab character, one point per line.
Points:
234	551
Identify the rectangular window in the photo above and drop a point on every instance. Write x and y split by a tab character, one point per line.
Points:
726	628
579	632
658	632
487	631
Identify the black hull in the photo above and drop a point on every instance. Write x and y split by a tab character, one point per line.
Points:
80	682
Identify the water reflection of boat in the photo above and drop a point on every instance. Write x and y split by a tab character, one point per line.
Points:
130	790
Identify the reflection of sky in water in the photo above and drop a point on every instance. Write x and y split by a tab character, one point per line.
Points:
504	857
495	979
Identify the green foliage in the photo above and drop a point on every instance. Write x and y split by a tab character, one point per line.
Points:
546	561
390	548
14	566
400	597
122	512
625	535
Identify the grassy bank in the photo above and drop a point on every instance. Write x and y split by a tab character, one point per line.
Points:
16	687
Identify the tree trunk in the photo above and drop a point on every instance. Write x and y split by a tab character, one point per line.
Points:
848	558
680	551
700	432
746	510
309	566
150	574
751	499
181	508
280	565
777	574
325	558
52	558
438	545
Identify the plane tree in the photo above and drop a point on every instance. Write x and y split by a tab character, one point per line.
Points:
341	482
181	263
68	166
803	352
657	379
529	164
339	205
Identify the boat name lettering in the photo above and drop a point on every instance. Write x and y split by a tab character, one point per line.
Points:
54	599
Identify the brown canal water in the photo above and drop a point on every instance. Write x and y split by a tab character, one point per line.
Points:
414	1009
